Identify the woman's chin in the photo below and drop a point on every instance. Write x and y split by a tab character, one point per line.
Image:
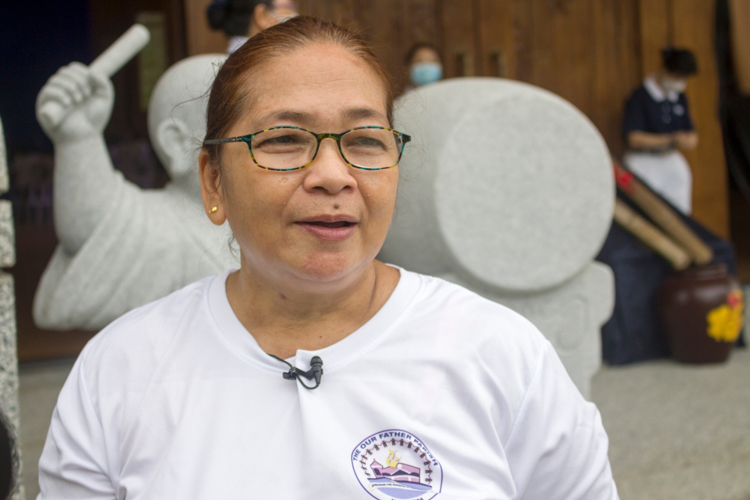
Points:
331	267
312	270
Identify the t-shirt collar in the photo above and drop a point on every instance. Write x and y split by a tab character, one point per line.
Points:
656	92
243	344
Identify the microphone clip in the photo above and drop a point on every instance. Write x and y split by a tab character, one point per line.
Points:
314	373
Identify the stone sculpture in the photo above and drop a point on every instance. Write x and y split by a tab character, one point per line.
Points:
120	246
8	356
508	190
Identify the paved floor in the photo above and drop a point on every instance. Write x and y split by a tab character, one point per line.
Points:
40	383
676	432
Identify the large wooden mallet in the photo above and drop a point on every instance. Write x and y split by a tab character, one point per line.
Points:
108	63
663	216
651	236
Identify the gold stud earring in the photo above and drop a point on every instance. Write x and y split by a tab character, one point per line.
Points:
213	210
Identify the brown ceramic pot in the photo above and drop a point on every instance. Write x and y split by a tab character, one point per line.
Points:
701	313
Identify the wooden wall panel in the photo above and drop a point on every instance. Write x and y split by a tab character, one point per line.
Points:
617	65
388	26
557	48
497	38
459	44
593	53
392	26
200	38
583	50
654	23
692	22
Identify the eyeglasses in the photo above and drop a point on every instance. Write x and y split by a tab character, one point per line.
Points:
287	148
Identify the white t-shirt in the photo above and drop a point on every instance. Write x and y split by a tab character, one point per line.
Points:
442	394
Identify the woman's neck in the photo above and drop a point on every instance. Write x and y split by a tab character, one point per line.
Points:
284	316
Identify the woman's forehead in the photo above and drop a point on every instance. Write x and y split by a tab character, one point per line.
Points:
314	82
317	64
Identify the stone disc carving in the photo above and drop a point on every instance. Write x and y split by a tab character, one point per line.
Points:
506	183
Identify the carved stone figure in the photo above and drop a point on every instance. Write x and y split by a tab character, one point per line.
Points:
8	357
508	190
120	246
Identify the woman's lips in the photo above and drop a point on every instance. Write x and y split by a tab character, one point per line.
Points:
330	228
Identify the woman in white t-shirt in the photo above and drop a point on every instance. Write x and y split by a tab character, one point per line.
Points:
316	371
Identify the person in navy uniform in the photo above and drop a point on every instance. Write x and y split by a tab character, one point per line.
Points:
657	126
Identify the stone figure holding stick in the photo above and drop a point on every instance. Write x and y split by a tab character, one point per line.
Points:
121	246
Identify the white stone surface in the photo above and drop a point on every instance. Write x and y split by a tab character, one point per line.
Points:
120	246
8	351
7	235
503	180
508	190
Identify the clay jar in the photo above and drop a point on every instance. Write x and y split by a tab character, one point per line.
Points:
701	313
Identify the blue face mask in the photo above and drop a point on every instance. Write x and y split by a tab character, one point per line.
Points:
424	73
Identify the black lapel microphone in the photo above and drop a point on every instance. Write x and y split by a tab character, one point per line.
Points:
314	373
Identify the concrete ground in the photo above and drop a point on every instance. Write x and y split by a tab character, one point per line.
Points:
676	432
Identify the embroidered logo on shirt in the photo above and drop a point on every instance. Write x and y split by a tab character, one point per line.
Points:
395	464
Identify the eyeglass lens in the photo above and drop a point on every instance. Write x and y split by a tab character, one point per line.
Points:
291	148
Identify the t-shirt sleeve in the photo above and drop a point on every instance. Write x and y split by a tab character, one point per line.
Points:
635	116
74	460
568	460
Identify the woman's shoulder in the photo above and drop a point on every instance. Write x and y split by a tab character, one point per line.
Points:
486	344
455	310
146	333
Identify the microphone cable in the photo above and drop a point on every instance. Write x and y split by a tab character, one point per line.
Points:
314	373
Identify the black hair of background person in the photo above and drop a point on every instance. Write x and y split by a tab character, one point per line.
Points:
233	16
679	61
36	38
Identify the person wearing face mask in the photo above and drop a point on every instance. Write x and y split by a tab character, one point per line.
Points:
657	126
241	19
425	65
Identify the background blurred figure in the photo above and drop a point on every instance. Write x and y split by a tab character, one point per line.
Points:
425	65
241	19
657	124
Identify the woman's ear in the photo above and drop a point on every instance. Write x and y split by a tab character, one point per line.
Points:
211	189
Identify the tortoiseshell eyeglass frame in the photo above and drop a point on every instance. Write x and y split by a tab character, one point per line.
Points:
328	135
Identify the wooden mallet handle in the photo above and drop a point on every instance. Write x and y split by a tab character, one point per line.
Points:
651	236
663	216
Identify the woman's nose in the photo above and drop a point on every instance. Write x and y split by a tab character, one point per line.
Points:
329	171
